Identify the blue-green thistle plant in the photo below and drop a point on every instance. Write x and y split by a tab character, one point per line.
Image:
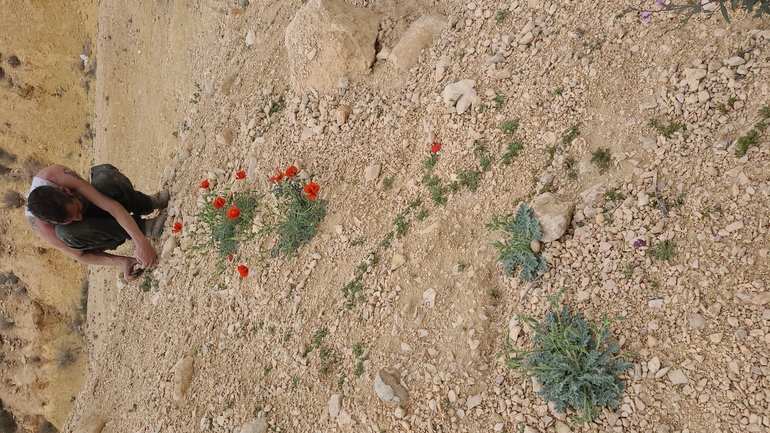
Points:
572	361
514	251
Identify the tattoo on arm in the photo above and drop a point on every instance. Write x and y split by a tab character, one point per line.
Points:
32	223
69	172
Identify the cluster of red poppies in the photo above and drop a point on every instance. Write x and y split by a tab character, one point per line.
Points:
311	189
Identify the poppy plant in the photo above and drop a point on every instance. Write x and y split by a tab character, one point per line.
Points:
233	213
243	270
291	172
219	203
435	148
278	177
205	184
177	227
240	175
311	190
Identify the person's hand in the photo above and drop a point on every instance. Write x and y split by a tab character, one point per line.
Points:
145	254
128	269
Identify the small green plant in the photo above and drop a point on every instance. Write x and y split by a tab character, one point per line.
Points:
328	359
662	250
387	183
520	230
357	241
558	91
628	272
501	14
609	219
485	162
509	127
133	408
571	134
421	215
257	410
744	143
196	96
572	361
512	151
731	101
494	294
499	100
295	217
430	162
146	284
402	225
666	131
461	265
613	195
385	242
469	179
602	158
654	284
276	106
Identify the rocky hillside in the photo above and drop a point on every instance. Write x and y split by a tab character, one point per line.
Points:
629	128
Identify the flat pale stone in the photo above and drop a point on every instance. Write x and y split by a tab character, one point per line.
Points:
677	377
734	226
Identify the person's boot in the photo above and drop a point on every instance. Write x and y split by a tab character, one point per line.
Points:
153	227
160	199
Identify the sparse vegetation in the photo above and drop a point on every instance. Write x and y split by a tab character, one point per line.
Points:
572	361
520	231
662	250
509	127
602	158
512	151
571	134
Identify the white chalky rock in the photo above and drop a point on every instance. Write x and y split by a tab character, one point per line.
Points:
388	389
372	172
677	377
183	372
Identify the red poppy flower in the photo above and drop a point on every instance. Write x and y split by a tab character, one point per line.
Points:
435	148
240	175
219	203
291	172
311	190
278	177
205	184
177	227
243	270
233	213
230	257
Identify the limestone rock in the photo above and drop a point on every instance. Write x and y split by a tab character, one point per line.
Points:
91	424
416	38
225	138
168	247
388	389
341	114
677	377
343	36
258	426
372	172
397	261
553	214
183	372
461	94
335	403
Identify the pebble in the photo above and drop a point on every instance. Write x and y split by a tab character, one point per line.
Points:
653	364
335	404
677	377
697	321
